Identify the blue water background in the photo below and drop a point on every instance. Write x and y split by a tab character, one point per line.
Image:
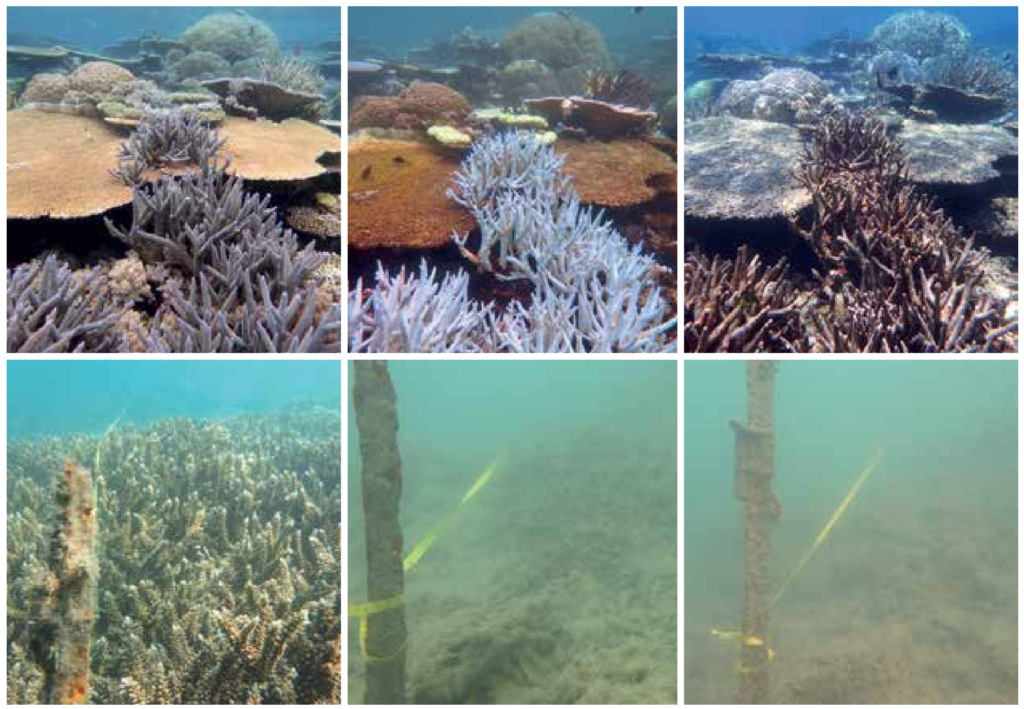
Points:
94	28
788	29
624	30
47	398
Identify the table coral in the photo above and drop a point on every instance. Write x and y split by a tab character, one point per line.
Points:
59	166
396	195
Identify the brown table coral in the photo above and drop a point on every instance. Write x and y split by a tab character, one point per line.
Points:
285	151
621	173
58	166
396	195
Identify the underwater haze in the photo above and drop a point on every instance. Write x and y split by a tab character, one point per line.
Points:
556	583
46	398
912	596
625	29
97	27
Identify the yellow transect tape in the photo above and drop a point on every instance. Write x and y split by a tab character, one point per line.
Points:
827	529
424	545
363	611
738	637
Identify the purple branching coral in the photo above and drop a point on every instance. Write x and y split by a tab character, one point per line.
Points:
166	138
591	291
52	309
240	281
410	313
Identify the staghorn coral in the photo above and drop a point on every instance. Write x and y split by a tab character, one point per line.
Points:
240	281
292	73
406	313
621	87
218	582
739	305
892	272
975	74
52	309
590	290
172	138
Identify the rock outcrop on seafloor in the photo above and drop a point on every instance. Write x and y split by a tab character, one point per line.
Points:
218	581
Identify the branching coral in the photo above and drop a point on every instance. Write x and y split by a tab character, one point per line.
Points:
410	313
591	292
894	274
292	73
739	305
224	246
166	138
218	581
622	87
976	74
52	309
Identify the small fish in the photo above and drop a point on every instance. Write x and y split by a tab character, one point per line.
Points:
893	73
637	10
398	159
366	172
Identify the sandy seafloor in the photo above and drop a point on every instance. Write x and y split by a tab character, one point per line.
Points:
911	600
556	584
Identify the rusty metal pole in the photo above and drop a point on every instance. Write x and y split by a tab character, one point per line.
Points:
384	646
755	467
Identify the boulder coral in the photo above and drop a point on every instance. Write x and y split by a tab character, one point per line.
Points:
419	105
200	65
232	35
558	40
97	78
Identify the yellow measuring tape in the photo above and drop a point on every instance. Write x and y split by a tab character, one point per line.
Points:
752	641
827	529
363	611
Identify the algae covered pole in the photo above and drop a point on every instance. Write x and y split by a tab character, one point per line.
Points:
755	467
64	634
385	635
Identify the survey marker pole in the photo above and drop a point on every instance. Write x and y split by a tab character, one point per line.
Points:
384	644
755	467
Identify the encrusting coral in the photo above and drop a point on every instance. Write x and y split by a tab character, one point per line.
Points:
218	581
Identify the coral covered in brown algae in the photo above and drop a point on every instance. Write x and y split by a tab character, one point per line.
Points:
219	562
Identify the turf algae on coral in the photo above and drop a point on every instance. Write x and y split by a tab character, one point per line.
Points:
384	644
65	629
